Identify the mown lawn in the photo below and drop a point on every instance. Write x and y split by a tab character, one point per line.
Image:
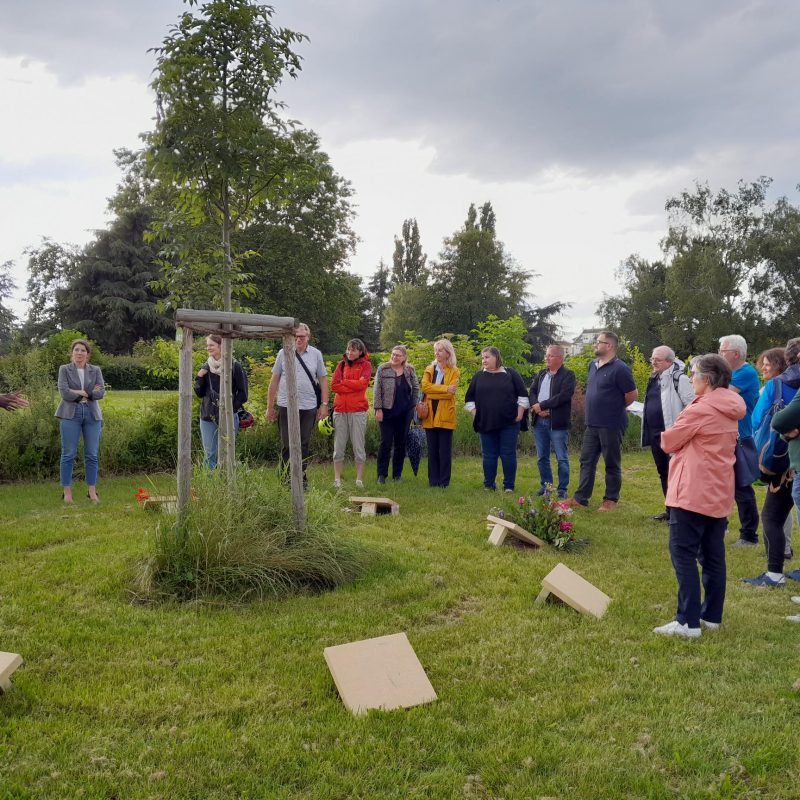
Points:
118	700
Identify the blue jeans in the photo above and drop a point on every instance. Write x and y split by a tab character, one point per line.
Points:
546	438
796	496
501	444
71	430
210	436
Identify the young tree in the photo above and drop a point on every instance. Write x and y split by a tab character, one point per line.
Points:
408	260
219	139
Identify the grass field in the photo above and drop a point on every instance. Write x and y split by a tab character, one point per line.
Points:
118	700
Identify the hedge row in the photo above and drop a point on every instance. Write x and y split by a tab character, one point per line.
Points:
145	440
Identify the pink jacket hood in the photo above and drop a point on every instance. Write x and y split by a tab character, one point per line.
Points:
703	440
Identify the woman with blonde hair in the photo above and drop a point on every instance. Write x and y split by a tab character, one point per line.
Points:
439	386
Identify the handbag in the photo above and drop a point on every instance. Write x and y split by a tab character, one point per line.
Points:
315	384
246	419
745	467
422	409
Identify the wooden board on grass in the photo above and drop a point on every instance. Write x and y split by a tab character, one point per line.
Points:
502	528
370	506
9	663
379	673
575	591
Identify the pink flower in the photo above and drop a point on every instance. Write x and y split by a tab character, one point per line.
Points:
521	501
565	526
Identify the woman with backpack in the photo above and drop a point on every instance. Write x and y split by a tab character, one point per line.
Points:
206	387
782	370
350	407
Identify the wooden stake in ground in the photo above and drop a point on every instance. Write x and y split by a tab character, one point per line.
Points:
575	591
379	673
9	663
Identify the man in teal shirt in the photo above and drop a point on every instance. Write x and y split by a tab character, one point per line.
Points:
733	349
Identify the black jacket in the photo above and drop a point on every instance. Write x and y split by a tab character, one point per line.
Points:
207	388
559	404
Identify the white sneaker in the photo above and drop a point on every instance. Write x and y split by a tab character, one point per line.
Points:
711	626
359	484
675	628
794	618
337	484
796	599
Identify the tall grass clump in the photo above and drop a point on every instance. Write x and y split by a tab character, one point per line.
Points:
240	543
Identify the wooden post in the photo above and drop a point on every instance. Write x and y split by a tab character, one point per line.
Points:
226	443
293	417
185	386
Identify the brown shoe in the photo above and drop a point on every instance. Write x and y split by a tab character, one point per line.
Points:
608	505
573	503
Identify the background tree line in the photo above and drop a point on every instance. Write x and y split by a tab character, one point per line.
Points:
229	204
730	264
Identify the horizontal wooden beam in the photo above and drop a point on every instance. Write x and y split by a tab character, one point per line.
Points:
263	322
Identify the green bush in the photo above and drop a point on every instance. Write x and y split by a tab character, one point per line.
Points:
240	543
129	373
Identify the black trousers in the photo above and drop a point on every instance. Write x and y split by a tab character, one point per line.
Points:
748	513
694	537
777	506
440	455
662	463
393	441
597	441
307	421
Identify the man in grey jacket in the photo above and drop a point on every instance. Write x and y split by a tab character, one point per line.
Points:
669	391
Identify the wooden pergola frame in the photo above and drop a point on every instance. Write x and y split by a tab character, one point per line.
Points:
230	325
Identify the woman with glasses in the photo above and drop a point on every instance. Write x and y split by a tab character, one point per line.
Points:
395	394
700	494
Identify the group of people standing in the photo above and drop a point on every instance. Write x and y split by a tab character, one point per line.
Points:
691	424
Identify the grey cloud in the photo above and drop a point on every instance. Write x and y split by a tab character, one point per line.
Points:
502	89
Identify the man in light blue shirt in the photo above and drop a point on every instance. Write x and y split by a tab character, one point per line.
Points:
733	349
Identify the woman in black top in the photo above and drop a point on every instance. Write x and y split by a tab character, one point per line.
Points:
395	394
206	386
497	400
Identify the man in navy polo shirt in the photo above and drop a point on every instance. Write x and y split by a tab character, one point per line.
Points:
609	390
733	348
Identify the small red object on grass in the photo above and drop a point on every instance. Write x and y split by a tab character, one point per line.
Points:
142	495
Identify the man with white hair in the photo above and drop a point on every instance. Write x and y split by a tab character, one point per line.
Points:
669	391
733	348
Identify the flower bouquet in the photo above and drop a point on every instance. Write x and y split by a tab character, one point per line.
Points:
545	516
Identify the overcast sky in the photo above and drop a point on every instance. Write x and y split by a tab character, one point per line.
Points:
576	119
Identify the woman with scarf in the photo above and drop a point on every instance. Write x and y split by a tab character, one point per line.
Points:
206	387
350	408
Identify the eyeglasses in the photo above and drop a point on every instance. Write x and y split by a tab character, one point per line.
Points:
657	360
301	336
600	341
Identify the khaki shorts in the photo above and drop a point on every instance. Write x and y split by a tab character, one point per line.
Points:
350	425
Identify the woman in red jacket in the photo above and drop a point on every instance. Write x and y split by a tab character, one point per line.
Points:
350	382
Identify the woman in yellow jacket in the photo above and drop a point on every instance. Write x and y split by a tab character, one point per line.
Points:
439	385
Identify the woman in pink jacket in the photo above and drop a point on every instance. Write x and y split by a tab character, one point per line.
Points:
700	494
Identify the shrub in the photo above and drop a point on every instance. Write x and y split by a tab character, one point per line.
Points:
130	373
239	543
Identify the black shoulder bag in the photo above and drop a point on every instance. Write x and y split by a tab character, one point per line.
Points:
315	384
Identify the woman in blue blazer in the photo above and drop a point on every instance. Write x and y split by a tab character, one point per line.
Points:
80	385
